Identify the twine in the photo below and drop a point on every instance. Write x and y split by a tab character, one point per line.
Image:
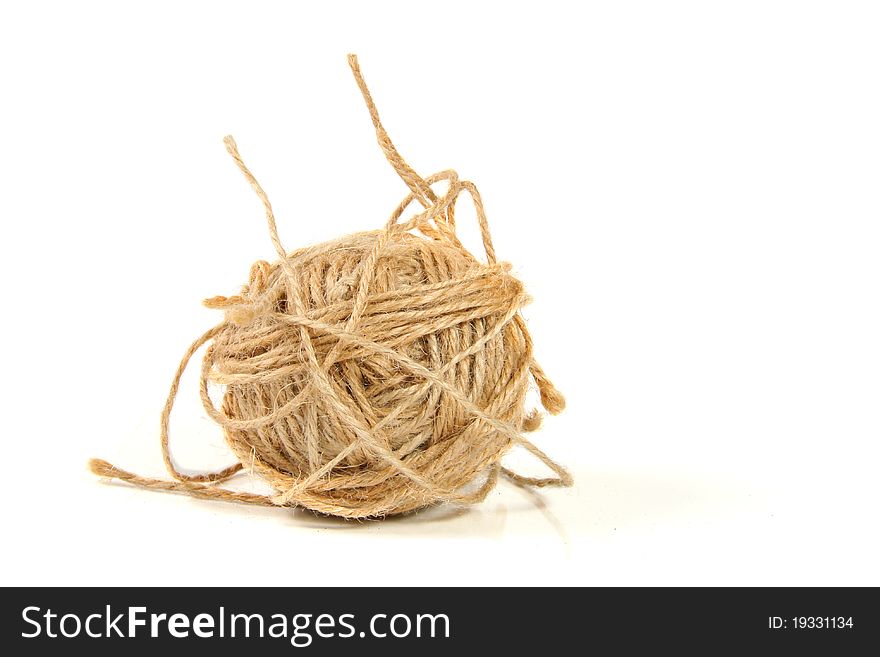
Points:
372	375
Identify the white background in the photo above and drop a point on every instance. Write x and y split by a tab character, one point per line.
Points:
689	191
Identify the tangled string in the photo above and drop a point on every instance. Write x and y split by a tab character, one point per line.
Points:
372	375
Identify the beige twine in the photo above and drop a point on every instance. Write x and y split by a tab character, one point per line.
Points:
372	375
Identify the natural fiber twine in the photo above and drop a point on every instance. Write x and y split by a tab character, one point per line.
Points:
372	375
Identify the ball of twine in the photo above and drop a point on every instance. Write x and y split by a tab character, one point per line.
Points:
374	374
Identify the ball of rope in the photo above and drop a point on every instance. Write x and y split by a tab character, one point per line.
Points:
374	374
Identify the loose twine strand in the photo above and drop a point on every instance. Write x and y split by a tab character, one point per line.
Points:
371	375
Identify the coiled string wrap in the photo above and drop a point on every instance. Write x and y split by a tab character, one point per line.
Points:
435	221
